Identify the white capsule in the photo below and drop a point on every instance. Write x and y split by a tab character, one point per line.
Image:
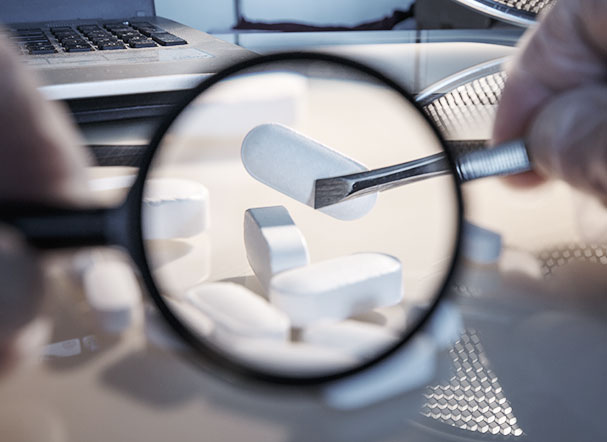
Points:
480	245
236	312
174	208
359	339
291	358
273	243
113	293
291	162
337	288
63	349
410	368
520	262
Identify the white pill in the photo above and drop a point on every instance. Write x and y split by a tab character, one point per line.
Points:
174	208
273	243
410	368
292	358
520	262
359	339
113	293
480	245
290	163
192	317
179	264
236	312
338	288
111	183
63	349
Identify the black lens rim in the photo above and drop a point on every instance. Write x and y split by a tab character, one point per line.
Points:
219	363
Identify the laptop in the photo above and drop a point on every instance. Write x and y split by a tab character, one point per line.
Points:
112	59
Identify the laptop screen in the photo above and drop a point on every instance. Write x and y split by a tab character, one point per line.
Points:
27	11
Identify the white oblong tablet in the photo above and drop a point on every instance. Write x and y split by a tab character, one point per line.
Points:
294	358
410	368
63	349
191	316
236	312
179	264
359	339
480	245
337	288
273	243
291	162
113	294
521	262
174	208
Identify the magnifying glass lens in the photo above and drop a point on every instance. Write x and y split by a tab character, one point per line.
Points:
239	253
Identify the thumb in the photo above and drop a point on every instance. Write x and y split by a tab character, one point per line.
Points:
568	139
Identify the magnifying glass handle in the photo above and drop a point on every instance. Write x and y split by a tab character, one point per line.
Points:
505	159
508	158
48	227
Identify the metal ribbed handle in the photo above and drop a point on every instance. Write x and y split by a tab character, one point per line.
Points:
506	159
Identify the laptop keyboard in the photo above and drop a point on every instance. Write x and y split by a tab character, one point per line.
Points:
93	37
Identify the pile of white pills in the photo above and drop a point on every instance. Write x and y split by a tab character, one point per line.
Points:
308	317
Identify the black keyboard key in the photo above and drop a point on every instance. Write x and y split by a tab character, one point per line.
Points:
166	39
72	43
149	31
79	48
89	28
39	51
104	40
108	46
38	44
142	43
42	50
29	39
61	29
126	36
23	31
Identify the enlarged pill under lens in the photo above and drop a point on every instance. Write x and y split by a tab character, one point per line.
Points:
338	288
237	312
113	293
174	208
291	162
273	242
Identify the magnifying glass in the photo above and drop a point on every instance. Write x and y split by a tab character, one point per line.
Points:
224	224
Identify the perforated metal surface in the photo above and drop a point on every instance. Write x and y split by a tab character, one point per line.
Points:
473	400
468	106
558	256
533	6
518	12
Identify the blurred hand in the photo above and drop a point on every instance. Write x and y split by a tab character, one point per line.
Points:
556	97
40	160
